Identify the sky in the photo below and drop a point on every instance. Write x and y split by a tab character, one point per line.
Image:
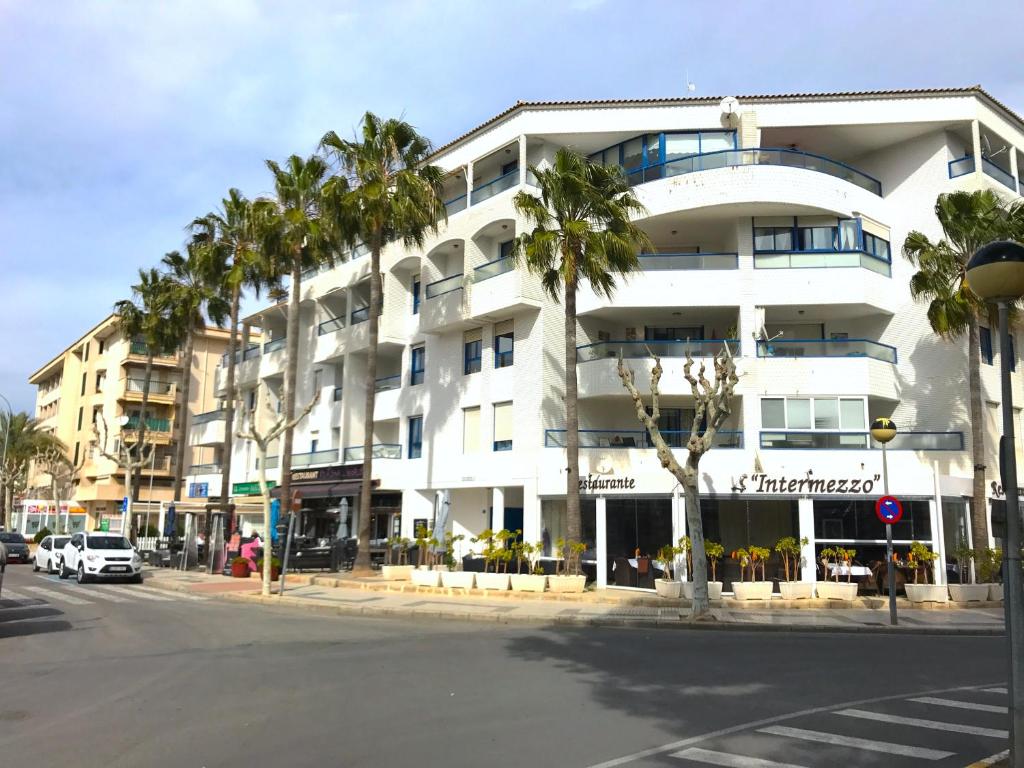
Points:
122	121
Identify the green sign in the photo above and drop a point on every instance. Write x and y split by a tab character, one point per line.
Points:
249	489
105	525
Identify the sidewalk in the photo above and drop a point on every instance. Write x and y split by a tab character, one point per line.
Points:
375	597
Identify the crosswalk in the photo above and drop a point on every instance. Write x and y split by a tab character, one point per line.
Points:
55	592
951	728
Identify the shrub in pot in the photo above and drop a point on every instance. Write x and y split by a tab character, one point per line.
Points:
534	580
750	558
833	589
714	552
922	591
568	571
791	588
451	578
426	574
497	556
989	563
275	568
965	591
240	567
396	560
667	586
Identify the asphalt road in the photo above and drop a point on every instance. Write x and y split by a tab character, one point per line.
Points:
115	675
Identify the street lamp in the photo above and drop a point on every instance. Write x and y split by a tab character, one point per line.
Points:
3	460
996	273
883	431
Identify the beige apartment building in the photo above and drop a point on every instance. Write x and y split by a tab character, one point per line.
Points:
102	374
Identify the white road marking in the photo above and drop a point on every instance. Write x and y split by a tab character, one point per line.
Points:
960	704
885	747
130	592
709	757
995	690
10	594
96	590
935	725
170	595
53	594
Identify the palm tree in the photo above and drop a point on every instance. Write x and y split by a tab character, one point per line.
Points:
194	294
385	191
582	231
146	316
231	243
24	440
296	238
968	220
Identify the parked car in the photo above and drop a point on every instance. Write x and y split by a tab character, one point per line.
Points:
17	547
99	555
48	553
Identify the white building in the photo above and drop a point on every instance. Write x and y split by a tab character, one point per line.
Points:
778	223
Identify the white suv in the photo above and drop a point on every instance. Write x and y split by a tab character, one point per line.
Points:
99	555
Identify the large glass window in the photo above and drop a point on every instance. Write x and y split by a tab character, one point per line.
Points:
415	437
416	295
419	364
773	413
633	153
773	239
472	342
716	141
636	530
855	520
680	145
504	344
798	413
736	524
818	238
503	426
986	345
826	413
505	249
848	231
876	246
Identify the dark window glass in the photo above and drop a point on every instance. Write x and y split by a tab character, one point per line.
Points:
509	167
504	347
818	238
773	239
419	359
856	519
471	358
416	296
505	249
986	345
415	437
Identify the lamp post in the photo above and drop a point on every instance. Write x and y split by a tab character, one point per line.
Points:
996	273
883	431
3	460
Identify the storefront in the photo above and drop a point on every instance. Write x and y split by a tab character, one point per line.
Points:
35	514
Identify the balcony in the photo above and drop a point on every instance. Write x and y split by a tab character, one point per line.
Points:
456	205
138	351
152	425
495	187
499	288
379	451
207	429
274	345
598	376
961	166
633	350
1003	177
331	326
159	391
306	459
386	383
826	348
924	441
206	418
830	441
443	286
443	307
250	352
206	469
493	269
360	315
637	438
660	262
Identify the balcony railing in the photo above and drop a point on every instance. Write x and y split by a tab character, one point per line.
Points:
380	451
637	438
384	383
206	469
330	326
961	166
822	259
336	395
997	173
154	425
494	187
362	314
641	349
925	441
443	286
814	440
155	387
493	269
206	418
455	205
826	348
652	262
314	457
729	158
142	348
274	344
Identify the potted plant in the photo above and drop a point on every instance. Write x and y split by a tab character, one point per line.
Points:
569	572
965	591
534	580
714	552
751	558
451	578
832	588
424	574
989	563
921	559
792	588
667	586
240	567
275	568
396	560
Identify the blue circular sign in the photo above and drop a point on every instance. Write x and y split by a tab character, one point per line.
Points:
889	510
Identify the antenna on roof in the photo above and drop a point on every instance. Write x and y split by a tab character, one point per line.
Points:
690	87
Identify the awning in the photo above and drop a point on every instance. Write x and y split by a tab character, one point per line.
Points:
325	489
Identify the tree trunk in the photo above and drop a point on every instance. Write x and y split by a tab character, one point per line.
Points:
979	503
268	554
146	379
362	563
229	409
181	415
573	522
695	527
290	375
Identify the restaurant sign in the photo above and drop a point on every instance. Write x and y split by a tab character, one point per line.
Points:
761	482
323	474
598	483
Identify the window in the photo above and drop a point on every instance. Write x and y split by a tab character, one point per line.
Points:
252	400
472	350
99	380
75	460
504	344
102	344
81	414
818	238
416	294
419	360
199	490
808	415
471	430
773	239
84	378
505	249
415	437
87	351
986	345
509	167
876	246
314	445
503	426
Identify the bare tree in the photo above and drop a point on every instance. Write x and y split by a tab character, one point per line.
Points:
712	408
279	425
63	473
13	479
127	456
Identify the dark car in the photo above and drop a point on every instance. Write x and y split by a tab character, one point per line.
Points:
17	548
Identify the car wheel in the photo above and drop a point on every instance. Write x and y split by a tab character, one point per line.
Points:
49	566
35	565
80	575
62	570
137	578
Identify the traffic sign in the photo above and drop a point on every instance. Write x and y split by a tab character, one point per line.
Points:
296	500
124	504
889	509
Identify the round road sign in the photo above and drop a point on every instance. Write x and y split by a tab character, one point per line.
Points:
889	509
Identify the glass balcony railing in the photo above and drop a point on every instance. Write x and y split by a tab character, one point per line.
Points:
330	326
493	269
441	287
384	383
138	386
961	166
652	262
640	349
251	352
315	457
206	418
273	345
360	315
822	260
924	441
154	425
272	462
814	440
380	451
494	187
827	348
637	438
1003	177
205	469
456	204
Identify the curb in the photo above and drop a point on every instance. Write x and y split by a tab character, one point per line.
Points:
993	761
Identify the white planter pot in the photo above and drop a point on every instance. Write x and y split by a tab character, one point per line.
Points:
669	588
424	578
967	593
927	593
498	581
752	590
523	582
836	590
995	592
567	583
714	590
796	590
397	572
457	579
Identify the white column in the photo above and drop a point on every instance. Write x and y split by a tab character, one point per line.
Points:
531	512
678	531
601	543
805	516
497	509
522	159
160	519
938	529
469	184
1014	170
976	145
